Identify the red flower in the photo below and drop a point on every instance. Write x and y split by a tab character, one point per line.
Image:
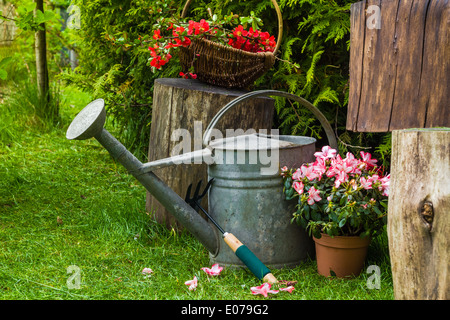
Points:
253	33
186	42
156	62
198	27
203	26
191	26
154	47
178	31
264	36
170	45
187	75
239	31
248	46
157	34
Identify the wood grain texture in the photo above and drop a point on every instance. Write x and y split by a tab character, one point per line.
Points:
418	214
177	104
399	72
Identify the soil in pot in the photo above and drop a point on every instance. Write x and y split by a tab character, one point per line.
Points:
341	256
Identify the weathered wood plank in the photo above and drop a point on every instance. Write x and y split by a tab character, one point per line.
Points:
409	36
418	214
379	70
357	27
435	80
399	73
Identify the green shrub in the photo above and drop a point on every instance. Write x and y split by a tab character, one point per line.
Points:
114	64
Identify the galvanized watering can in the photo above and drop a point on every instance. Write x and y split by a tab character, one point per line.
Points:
246	193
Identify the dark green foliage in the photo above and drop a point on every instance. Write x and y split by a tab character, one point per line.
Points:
114	63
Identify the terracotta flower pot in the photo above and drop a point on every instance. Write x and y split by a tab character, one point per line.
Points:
343	256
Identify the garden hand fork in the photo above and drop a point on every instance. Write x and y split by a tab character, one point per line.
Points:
242	252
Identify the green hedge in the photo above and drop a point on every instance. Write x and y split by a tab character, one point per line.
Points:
315	36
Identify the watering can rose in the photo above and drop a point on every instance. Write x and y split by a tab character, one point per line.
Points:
339	196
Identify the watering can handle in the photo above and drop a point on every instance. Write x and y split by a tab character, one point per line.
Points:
319	115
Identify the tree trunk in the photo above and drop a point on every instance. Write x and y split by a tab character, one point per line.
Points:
41	61
418	215
178	104
399	65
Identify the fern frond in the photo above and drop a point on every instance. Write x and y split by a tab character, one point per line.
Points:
327	95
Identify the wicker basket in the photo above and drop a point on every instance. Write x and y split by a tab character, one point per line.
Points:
225	66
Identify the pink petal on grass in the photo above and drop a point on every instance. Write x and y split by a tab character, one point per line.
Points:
147	271
192	283
288	289
263	289
214	271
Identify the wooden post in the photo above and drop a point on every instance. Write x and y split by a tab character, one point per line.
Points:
418	214
399	65
177	104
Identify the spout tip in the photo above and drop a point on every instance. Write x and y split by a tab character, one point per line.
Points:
88	121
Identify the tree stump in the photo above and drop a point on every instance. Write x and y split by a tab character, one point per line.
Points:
177	104
418	214
399	65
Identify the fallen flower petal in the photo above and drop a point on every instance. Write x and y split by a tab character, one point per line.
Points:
192	283
147	271
263	289
288	289
214	271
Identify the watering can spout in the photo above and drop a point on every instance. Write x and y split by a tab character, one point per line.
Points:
89	123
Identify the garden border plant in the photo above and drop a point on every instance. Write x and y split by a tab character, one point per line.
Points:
339	196
315	40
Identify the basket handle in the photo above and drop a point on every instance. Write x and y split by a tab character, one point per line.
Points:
277	9
319	115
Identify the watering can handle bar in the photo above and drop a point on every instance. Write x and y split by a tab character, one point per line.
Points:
323	121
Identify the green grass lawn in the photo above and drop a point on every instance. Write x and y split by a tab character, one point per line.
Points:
67	203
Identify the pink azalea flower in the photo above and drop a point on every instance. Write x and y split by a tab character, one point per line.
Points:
367	158
308	171
374	178
298	186
297	175
314	195
350	164
385	182
263	289
342	177
214	271
192	283
320	167
288	289
366	183
327	152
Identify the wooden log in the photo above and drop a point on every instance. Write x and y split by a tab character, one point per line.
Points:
418	214
177	104
400	67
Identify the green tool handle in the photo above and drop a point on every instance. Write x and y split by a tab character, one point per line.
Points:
249	259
